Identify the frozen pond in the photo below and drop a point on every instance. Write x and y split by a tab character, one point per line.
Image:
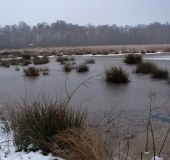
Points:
95	94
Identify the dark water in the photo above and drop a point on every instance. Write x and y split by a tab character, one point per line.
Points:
95	94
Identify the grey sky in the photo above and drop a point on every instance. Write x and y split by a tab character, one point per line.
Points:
83	12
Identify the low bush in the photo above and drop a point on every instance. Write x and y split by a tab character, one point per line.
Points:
82	68
42	60
143	52
37	122
114	74
145	67
25	62
67	68
31	71
63	59
26	56
14	61
89	61
4	63
160	73
133	58
43	70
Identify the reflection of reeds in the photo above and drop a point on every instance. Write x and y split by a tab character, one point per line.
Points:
116	75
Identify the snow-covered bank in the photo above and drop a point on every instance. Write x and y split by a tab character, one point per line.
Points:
7	151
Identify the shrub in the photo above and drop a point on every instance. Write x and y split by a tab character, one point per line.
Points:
38	121
42	60
143	52
63	59
5	63
160	73
89	61
14	61
114	74
43	70
82	68
67	68
5	53
25	62
31	71
145	67
133	58
26	56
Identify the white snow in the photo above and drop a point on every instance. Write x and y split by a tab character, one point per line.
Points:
157	158
7	151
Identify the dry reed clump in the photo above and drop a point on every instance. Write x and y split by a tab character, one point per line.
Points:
145	67
31	71
133	59
38	121
160	73
79	144
5	63
89	61
82	68
67	68
114	74
42	60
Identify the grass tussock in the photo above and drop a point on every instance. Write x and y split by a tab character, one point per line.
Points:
82	68
145	67
62	59
67	68
79	144
37	122
42	60
31	71
43	70
160	73
4	63
114	74
89	61
133	59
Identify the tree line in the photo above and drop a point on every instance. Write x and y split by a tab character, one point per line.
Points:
61	33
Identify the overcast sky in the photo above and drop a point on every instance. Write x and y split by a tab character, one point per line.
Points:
83	12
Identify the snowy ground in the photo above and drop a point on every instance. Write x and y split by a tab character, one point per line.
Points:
7	151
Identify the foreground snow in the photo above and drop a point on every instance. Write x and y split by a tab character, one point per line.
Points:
7	151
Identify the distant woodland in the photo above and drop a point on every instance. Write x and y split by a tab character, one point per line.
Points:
61	33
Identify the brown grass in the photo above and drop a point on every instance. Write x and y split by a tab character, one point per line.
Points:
92	49
79	144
